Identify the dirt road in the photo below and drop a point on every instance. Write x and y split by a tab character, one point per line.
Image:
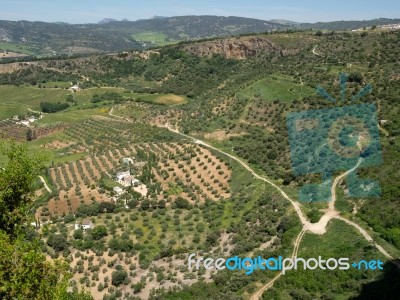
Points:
316	228
111	113
258	294
313	51
45	184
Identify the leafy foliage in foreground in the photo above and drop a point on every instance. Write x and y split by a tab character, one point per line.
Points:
16	187
24	271
32	277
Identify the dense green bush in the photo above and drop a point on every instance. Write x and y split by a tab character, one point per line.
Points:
49	107
109	96
99	232
57	242
118	277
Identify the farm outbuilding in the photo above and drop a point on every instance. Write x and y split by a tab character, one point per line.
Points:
84	224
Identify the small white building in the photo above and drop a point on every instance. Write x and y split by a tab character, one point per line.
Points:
122	175
84	224
126	179
75	88
127	160
118	190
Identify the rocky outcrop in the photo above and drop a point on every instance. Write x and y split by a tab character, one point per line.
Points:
235	48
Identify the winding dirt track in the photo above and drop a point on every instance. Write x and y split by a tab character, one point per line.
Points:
258	294
111	113
313	51
45	184
316	228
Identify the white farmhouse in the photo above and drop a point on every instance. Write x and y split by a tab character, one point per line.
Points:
25	123
75	88
126	179
84	224
127	160
122	175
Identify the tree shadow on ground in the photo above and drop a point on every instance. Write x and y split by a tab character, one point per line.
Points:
386	287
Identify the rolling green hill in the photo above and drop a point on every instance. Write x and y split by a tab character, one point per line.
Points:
40	38
60	38
234	94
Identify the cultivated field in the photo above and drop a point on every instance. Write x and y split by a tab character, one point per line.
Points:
155	38
182	170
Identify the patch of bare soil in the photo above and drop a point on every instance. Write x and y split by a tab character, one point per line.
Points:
11	54
221	135
12	67
58	144
195	167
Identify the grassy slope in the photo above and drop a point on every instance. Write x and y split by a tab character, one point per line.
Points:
168	99
17	100
16	48
277	87
156	38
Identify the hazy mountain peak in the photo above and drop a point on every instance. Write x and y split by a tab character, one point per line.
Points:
158	17
106	20
283	21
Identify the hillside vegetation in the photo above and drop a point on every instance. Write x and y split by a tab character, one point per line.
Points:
235	94
52	39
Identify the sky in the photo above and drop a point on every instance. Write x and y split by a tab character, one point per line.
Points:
92	11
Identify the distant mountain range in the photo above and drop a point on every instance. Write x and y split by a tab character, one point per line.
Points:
107	20
284	22
347	25
40	38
